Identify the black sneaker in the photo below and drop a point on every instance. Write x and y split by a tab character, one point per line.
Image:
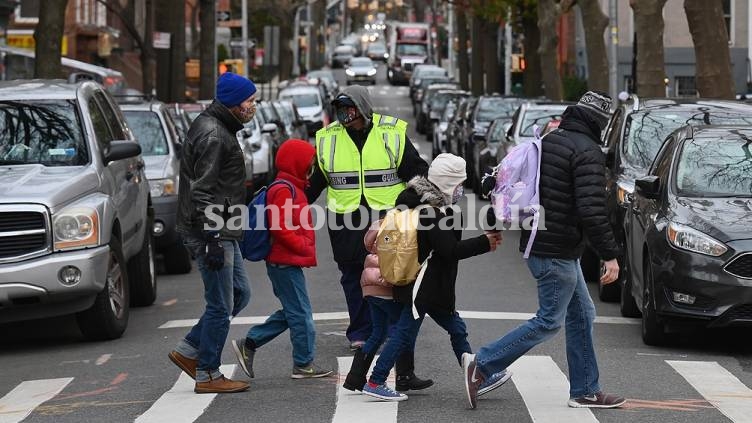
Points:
597	400
244	355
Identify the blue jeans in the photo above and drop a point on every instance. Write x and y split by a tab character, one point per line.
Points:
563	299
360	315
289	285
384	314
406	331
226	292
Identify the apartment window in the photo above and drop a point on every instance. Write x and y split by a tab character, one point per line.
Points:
728	16
685	86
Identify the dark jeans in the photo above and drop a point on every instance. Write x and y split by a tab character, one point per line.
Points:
360	314
406	331
226	293
384	314
289	286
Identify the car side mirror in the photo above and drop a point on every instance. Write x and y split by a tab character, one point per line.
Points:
119	150
648	187
268	128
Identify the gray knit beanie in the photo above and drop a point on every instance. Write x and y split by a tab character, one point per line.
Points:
446	172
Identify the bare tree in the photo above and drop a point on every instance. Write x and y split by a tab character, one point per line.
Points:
648	21
48	36
477	55
548	14
283	11
195	38
595	23
208	66
533	76
462	39
144	43
491	57
708	28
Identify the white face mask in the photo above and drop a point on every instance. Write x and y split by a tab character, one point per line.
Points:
459	192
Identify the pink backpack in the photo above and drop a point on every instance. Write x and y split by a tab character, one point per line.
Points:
515	198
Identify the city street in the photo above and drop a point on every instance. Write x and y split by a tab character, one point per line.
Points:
51	375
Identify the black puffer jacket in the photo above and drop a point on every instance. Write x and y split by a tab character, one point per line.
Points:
573	191
437	288
212	170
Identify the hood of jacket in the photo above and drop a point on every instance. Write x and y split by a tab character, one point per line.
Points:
293	161
359	95
582	120
421	191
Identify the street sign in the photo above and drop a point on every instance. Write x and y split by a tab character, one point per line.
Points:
232	23
223	15
161	40
239	43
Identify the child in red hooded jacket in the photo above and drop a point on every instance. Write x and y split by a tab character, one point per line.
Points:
293	247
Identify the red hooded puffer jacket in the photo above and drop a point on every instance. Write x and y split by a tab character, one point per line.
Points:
290	221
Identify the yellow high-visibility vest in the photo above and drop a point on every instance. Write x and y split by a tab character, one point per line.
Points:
372	173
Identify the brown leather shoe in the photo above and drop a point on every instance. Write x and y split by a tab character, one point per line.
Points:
220	386
188	365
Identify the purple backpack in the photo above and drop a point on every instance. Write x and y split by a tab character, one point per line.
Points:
515	198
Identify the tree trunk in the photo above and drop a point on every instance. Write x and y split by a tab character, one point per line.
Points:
533	76
194	29
595	23
477	56
48	36
491	57
648	21
286	37
548	15
178	53
208	69
708	28
419	7
462	58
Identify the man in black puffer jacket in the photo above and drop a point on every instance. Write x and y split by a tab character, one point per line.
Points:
573	197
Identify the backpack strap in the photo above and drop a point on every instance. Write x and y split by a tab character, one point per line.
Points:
418	282
282	181
535	208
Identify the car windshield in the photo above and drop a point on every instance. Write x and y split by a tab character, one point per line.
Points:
283	113
439	101
425	82
377	48
361	63
322	75
716	166
41	132
449	111
303	100
539	117
493	108
148	130
497	131
431	72
644	132
412	50
343	50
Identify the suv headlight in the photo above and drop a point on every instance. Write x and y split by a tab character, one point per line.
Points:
372	72
689	239
75	227
162	187
350	72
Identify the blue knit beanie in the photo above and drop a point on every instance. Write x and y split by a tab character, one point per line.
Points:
233	89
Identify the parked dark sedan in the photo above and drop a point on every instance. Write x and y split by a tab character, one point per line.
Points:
691	239
632	139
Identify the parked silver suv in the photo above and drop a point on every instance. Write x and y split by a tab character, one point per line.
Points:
75	211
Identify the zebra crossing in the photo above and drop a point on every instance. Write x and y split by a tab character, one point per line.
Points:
539	380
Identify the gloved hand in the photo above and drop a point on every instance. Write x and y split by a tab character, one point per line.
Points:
215	252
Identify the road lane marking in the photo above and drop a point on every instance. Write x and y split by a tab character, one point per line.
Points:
103	359
717	385
480	315
545	390
17	404
181	404
356	407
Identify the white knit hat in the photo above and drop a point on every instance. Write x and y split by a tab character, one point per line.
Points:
446	172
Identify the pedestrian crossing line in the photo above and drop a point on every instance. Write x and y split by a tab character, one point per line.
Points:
544	388
181	404
356	407
17	404
481	315
719	387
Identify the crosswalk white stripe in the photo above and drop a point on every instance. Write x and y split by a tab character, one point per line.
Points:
181	404
17	404
717	385
545	390
482	315
356	407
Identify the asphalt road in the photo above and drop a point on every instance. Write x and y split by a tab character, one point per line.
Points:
697	379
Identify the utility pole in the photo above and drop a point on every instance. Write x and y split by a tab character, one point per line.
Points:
450	41
508	54
613	50
244	18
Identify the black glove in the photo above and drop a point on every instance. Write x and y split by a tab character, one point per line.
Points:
215	252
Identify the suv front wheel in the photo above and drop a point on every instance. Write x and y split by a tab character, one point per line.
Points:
142	270
108	316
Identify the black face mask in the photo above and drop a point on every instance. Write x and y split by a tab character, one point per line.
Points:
346	114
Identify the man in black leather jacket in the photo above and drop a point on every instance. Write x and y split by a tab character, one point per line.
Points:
212	176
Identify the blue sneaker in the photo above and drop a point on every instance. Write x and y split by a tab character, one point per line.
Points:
494	382
382	392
